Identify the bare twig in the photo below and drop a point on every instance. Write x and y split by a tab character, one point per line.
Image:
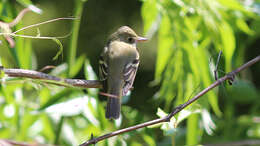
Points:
216	69
230	77
45	22
46	68
250	142
19	17
5	142
35	37
51	79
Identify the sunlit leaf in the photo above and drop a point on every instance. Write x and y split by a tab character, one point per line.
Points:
208	123
228	43
168	127
71	107
149	140
184	114
232	4
28	3
149	14
244	27
56	98
165	47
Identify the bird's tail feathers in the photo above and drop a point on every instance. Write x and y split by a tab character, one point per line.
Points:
113	108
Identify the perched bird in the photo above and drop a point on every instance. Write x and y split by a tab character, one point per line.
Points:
117	67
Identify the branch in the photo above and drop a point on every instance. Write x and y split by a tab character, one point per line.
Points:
230	77
45	22
237	143
6	142
51	79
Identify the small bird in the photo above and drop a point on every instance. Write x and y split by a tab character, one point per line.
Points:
118	66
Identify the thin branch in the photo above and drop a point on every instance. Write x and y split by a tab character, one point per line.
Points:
230	77
7	32
34	37
45	22
19	17
51	79
216	69
238	143
6	142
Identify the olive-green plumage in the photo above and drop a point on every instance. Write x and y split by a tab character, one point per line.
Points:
118	65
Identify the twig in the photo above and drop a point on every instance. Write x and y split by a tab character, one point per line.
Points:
250	142
49	21
6	142
230	77
34	37
19	17
51	79
7	32
216	69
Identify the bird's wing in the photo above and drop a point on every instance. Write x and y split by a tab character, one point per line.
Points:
129	75
103	67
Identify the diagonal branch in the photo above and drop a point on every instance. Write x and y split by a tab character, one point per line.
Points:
230	77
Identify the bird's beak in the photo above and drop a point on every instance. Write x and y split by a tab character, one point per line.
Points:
141	39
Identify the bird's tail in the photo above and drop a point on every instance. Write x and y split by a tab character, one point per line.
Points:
113	108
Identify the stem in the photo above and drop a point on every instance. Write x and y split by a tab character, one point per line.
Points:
72	51
58	132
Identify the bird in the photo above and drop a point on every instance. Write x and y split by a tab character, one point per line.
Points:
118	65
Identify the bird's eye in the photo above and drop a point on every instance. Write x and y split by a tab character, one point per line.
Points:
131	40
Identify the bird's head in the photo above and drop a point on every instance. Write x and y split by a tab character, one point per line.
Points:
127	35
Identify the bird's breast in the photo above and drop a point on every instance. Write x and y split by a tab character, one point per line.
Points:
122	51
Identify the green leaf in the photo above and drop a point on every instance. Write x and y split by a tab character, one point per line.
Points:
228	43
77	65
168	127
242	25
149	13
193	130
242	89
185	113
149	140
232	4
165	47
161	113
56	97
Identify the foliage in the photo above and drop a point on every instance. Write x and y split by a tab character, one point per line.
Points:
190	34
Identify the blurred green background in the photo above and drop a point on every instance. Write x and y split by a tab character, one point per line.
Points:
185	38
